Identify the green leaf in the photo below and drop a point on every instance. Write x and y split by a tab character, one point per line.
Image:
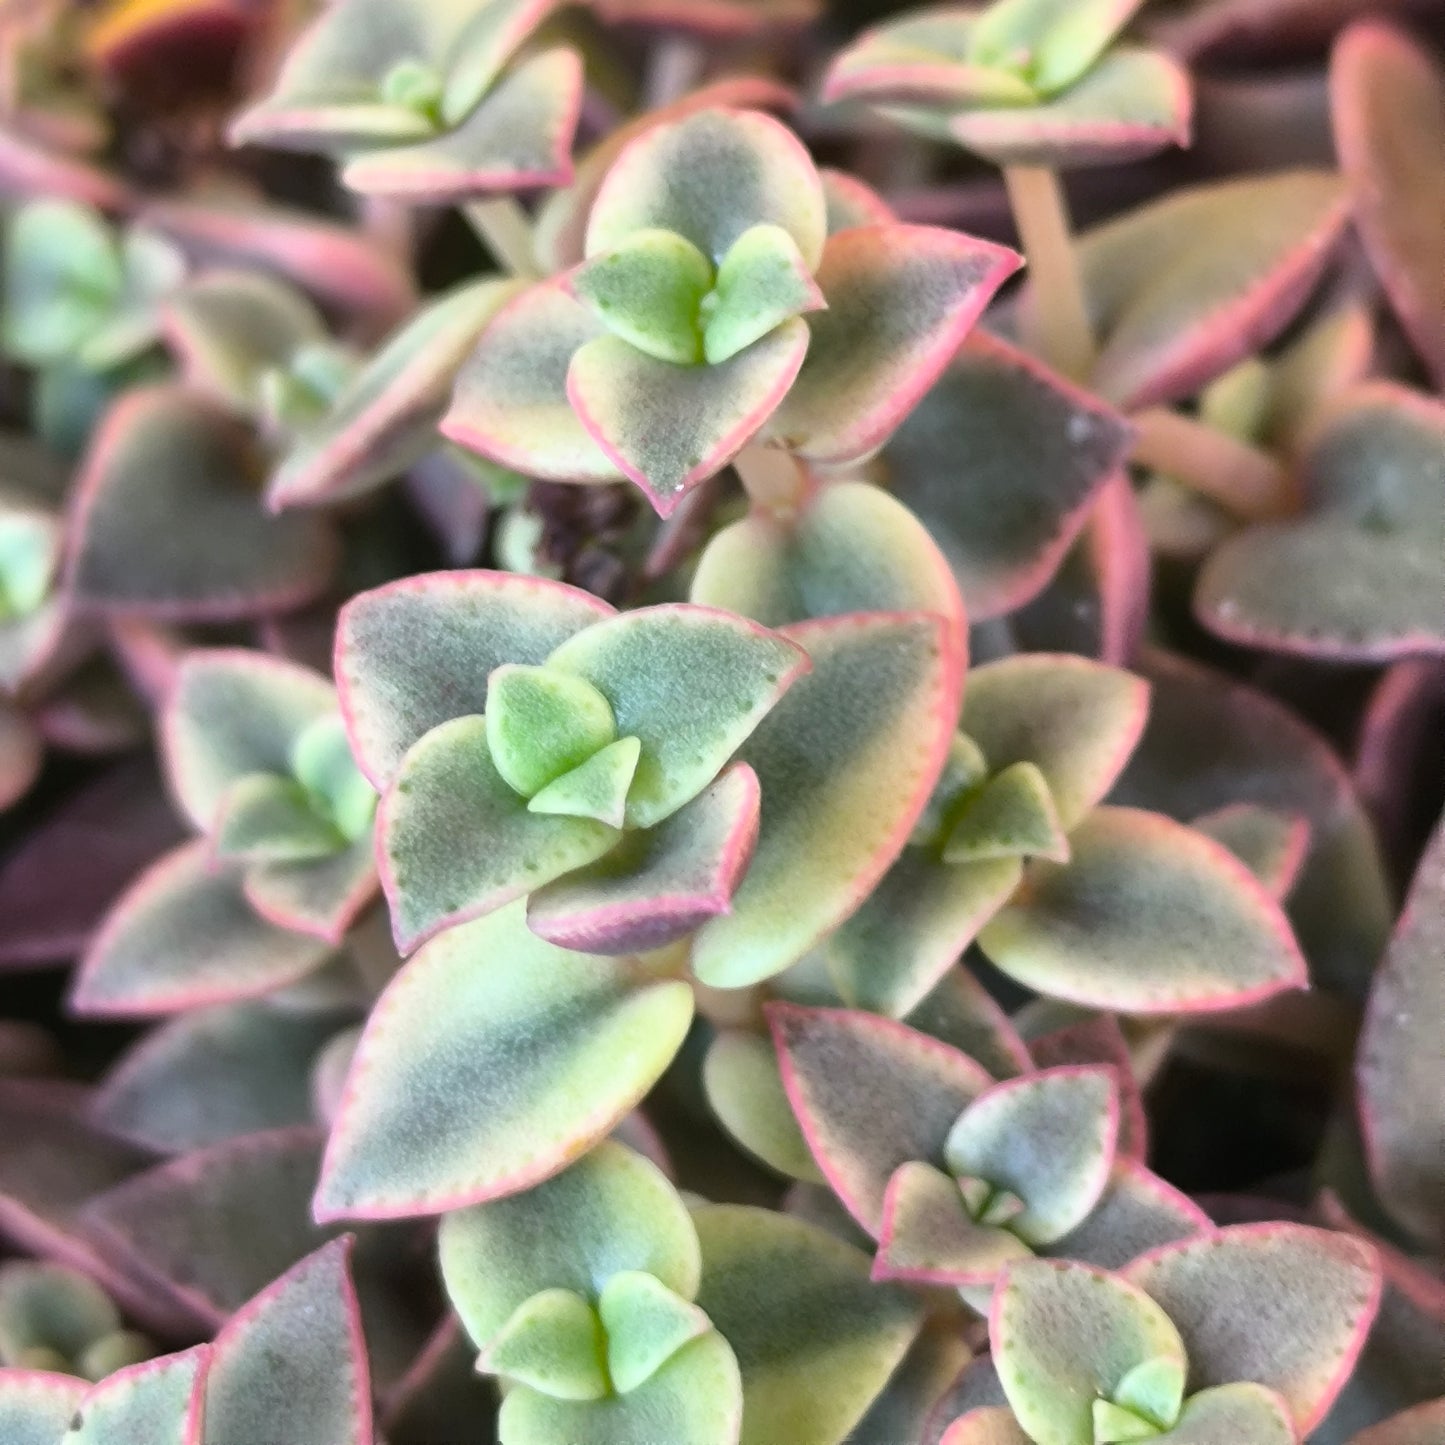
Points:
595	789
1012	815
1230	1413
815	1340
745	1090
456	842
322	762
762	281
611	1213
266	818
649	290
1153	1390
48	1307
1113	1424
493	1060
554	1343
647	1324
29	551
1148	917
1064	1336
36	1407
542	723
160	1402
1050	42
691	683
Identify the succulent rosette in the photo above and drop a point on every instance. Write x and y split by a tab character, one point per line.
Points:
713	309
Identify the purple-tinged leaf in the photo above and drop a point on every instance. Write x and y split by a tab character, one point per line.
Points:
815	1340
1137	1212
159	1402
872	755
960	1011
35	1406
385	418
900	301
745	1090
1098	1039
1323	1289
711	175
660	884
519	136
849	547
976	1387
901	1410
1388	107
1421	1426
870	1095
1147	917
167	521
1400	1069
183	935
1271	845
294	1359
1001	460
214	1074
511	400
418	652
435	1115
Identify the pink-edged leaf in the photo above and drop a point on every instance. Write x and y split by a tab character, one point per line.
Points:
213	1228
1211	741
692	683
1388	107
1098	1039
872	756
1076	720
1323	1289
511	399
852	203
231	713
1272	845
455	841
1049	1138
520	135
1230	1413
710	175
976	1387
214	1074
870	1095
993	1426
166	519
900	301
35	1407
294	1359
1400	1069
1375	478
1184	288
1420	1426
745	1090
159	1402
1137	1212
435	1114
1065	1336
1147	917
1131	104
900	1412
849	547
28	169
960	1011
815	1340
183	935
418	652
385	418
660	884
913	926
621	395
1001	460
321	898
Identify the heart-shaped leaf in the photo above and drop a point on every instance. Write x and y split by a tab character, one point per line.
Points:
692	683
167	522
1388	108
849	547
741	1079
1374	478
1147	917
294	1359
1323	1289
161	1401
660	884
647	1324
1075	720
1065	1336
840	762
1048	1138
761	282
814	1339
487	998
1399	1066
418	652
1000	460
611	1213
870	1095
35	1407
542	723
900	300
183	935
596	789
385	418
553	1344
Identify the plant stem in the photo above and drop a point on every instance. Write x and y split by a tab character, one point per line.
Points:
1063	333
1241	478
674	68
506	231
773	478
